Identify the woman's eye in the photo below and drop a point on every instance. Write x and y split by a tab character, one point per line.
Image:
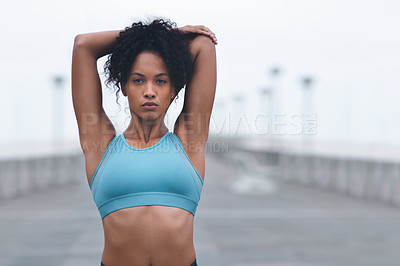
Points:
161	81
137	81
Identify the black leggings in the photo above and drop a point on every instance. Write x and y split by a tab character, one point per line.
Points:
193	264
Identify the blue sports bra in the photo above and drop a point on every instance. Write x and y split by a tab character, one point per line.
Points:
161	174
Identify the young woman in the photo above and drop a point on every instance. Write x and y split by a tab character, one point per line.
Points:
147	181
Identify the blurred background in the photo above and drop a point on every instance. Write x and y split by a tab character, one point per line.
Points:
303	155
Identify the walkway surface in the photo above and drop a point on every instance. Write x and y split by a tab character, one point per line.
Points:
288	225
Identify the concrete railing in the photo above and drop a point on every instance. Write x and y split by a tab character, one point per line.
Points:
372	179
25	169
365	171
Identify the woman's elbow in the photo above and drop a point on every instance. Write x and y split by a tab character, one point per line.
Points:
204	45
79	41
205	42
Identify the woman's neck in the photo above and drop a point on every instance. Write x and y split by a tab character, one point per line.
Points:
145	131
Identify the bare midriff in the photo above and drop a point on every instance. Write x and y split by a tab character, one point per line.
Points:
148	235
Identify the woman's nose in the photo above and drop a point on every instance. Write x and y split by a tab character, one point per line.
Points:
149	91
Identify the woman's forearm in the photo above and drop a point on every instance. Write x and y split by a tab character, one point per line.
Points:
97	44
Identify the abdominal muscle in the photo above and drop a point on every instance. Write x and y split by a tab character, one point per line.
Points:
148	235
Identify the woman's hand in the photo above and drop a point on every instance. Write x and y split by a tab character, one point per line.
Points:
199	30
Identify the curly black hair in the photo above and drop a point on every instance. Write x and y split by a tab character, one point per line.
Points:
160	36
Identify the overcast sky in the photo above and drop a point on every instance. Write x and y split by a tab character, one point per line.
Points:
349	47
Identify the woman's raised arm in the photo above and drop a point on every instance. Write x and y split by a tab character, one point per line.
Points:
95	128
193	123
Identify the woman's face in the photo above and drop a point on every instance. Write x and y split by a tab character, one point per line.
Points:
148	87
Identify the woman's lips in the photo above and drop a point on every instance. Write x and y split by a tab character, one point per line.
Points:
149	107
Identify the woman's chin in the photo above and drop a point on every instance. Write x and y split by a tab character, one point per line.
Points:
150	118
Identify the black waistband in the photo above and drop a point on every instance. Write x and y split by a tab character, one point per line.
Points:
193	264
